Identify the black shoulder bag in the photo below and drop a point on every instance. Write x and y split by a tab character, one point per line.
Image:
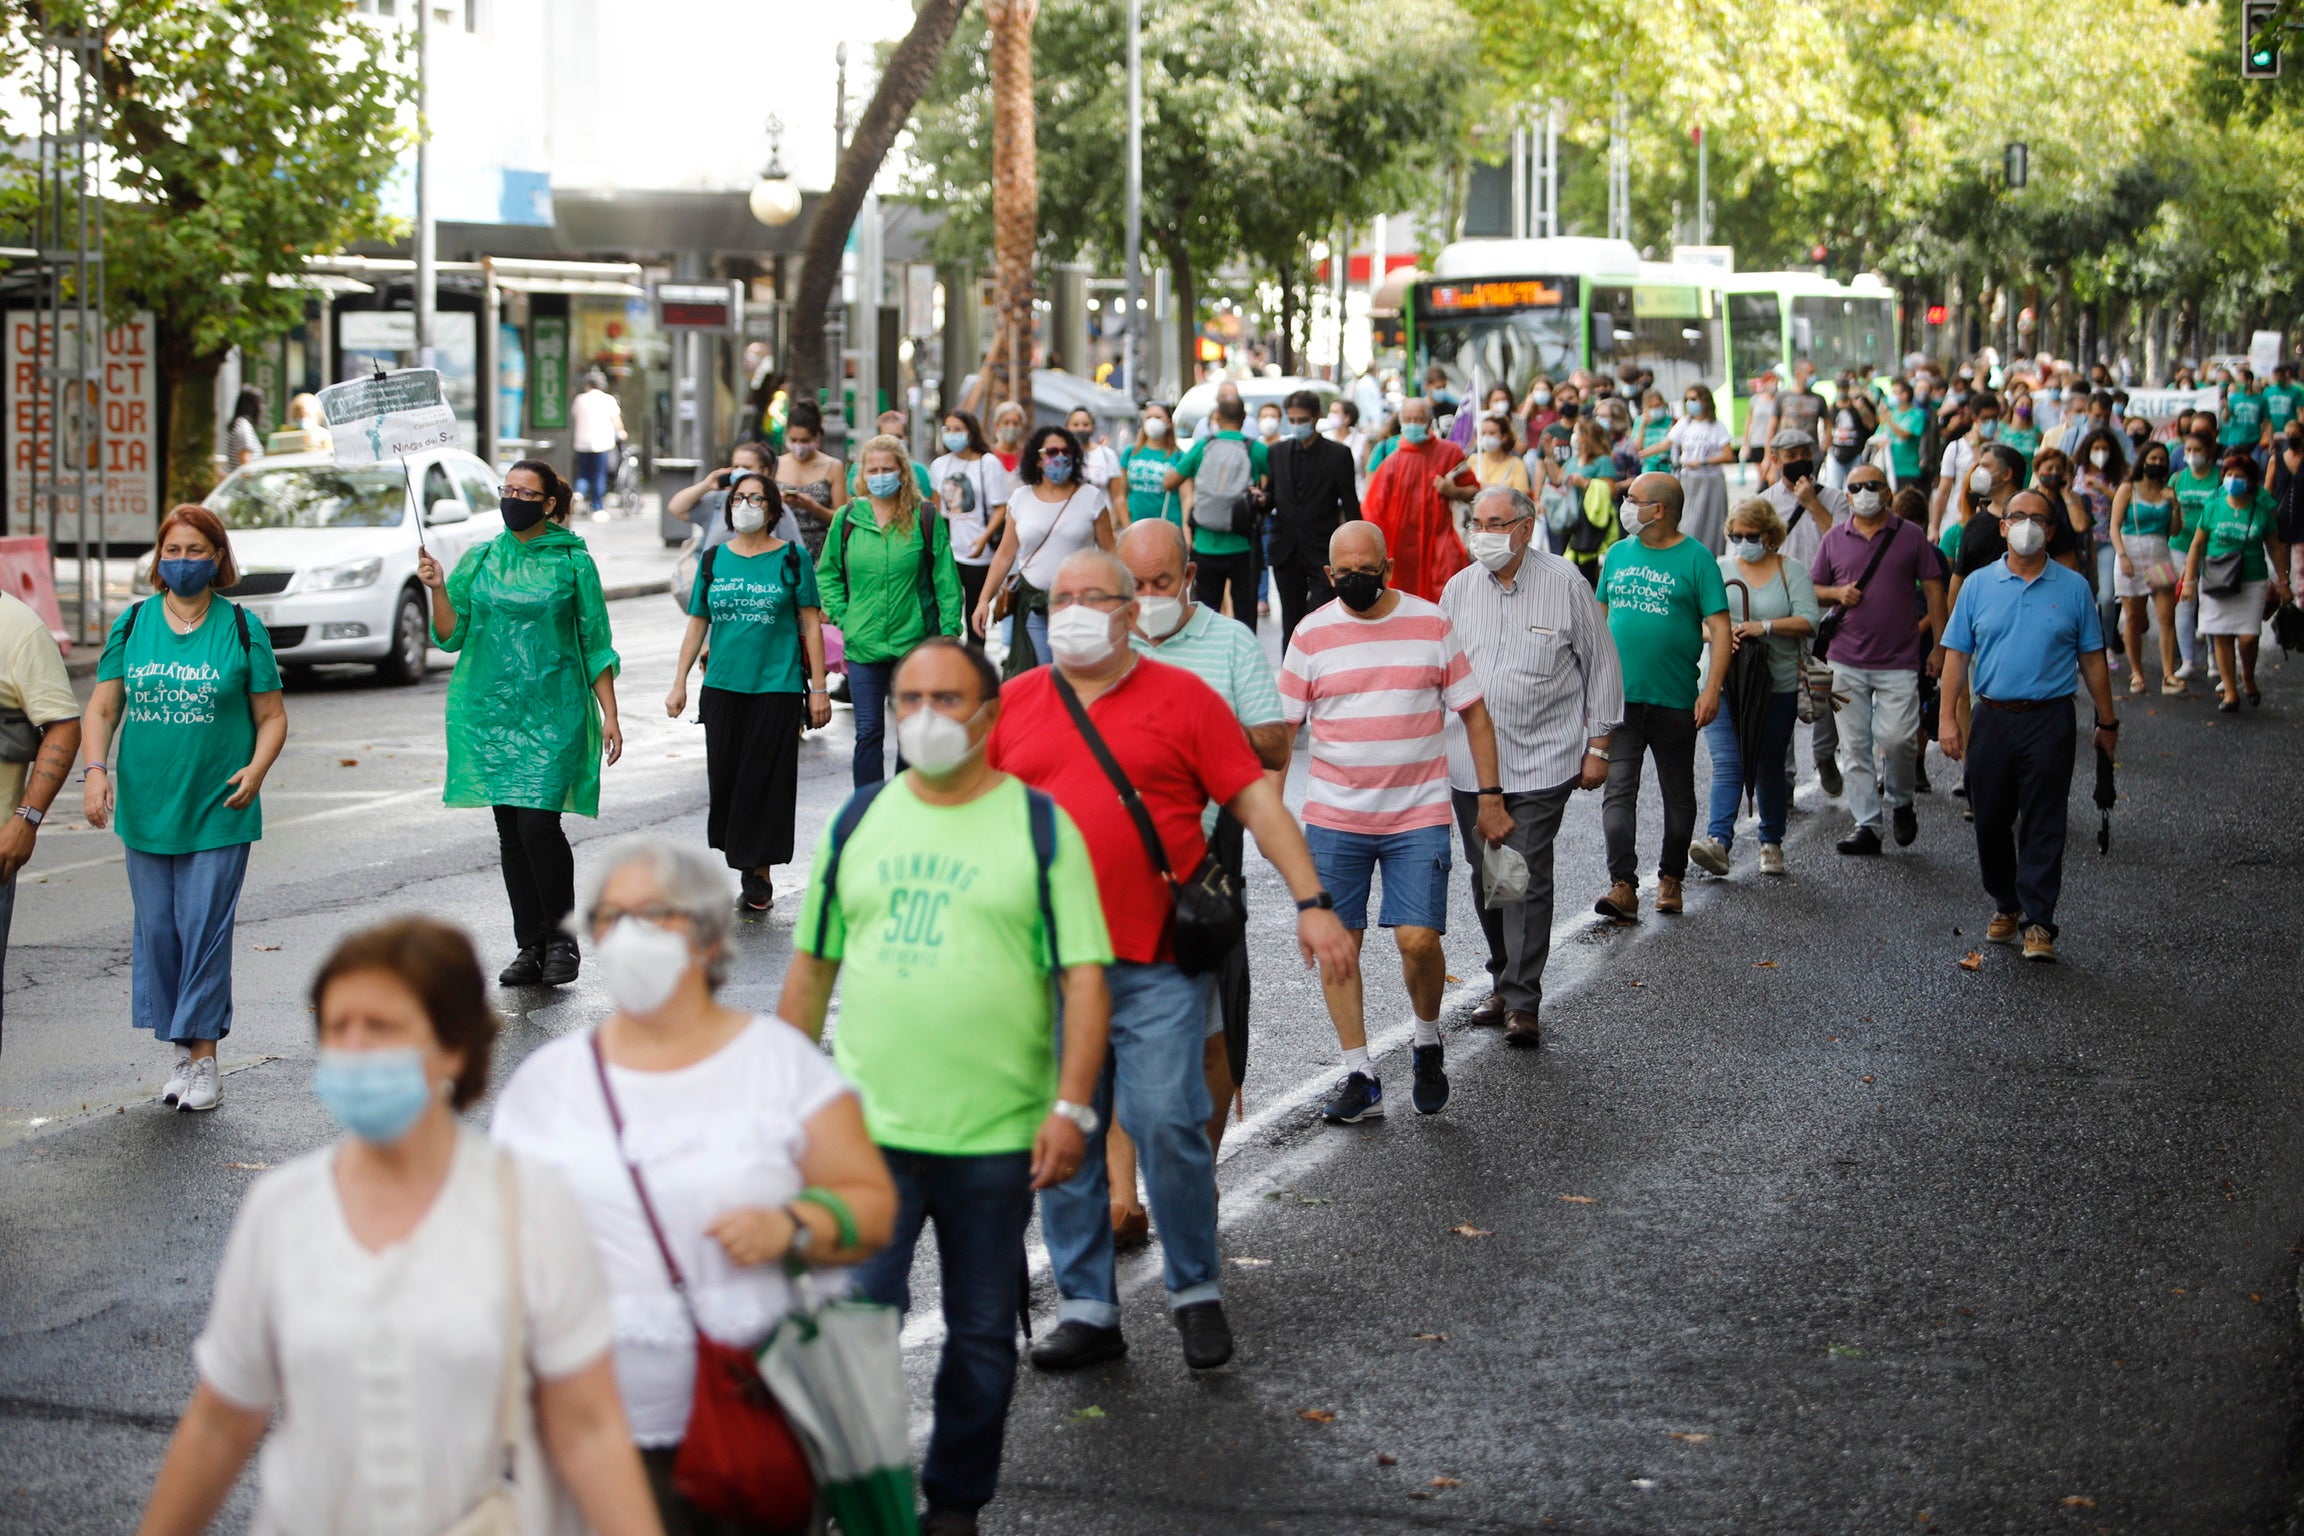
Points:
1210	917
1829	625
2224	575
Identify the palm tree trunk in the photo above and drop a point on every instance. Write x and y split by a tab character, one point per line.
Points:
1015	195
910	69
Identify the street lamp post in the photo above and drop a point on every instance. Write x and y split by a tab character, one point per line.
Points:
427	235
1132	339
775	201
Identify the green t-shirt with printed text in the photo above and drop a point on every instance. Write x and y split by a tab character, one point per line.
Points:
1657	602
185	726
754	603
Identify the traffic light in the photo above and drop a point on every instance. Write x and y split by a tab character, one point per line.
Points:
2259	41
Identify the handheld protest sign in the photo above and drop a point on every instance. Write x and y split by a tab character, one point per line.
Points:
390	416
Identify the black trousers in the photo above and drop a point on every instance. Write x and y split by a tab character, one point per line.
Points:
1299	588
2019	785
752	769
972	579
1215	572
539	872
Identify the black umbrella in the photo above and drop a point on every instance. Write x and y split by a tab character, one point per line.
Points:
2106	794
1746	689
2288	628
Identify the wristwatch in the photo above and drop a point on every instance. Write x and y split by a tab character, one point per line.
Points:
803	1236
1319	901
1080	1115
31	814
1492	789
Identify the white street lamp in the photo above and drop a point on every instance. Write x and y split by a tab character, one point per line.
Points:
776	199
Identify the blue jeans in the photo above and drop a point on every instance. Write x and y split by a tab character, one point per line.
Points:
981	1206
1415	866
181	979
1159	1024
869	685
592	477
1772	790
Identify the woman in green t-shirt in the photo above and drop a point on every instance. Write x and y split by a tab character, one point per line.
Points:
2243	522
755	600
1144	464
191	685
532	705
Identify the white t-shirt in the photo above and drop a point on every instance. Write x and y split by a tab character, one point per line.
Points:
1102	468
594	419
725	1133
1048	533
387	1366
1695	440
966	491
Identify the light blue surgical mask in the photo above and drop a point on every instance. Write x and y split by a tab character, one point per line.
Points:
884	483
1414	431
1298	430
954	442
376	1095
1750	551
2235	487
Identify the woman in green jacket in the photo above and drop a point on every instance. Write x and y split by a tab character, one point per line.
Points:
532	706
885	590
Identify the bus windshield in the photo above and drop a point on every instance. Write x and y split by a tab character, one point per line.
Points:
1842	334
1497	331
1666	328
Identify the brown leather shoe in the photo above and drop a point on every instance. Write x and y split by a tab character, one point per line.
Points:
1621	903
1491	1010
2004	928
1131	1227
1520	1029
1667	893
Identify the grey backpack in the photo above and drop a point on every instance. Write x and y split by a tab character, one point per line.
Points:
1220	489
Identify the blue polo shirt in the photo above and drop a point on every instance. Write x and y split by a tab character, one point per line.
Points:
2024	639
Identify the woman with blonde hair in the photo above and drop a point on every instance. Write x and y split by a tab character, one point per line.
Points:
887	582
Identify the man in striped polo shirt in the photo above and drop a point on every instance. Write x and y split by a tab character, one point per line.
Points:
1377	673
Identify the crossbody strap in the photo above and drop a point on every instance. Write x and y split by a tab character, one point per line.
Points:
1128	797
515	1314
639	1185
1894	532
1042	543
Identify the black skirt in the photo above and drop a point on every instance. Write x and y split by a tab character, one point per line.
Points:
752	763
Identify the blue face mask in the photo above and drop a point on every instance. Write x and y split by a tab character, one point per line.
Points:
2235	487
1414	431
1058	470
954	442
1299	430
187	578
884	483
376	1095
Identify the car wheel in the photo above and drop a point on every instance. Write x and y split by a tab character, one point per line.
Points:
411	654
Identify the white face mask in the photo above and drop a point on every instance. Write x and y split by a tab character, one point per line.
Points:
2027	538
803	451
746	518
1493	550
1155	426
1080	636
1158	617
1269	427
1631	517
933	741
1750	551
642	964
2099	457
1980	481
2198	461
1863	503
1491	444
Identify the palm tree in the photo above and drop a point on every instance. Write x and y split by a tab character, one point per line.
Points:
1015	197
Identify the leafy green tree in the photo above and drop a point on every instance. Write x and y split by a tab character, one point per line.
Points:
240	139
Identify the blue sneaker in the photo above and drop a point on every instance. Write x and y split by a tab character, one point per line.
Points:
1429	1092
1359	1097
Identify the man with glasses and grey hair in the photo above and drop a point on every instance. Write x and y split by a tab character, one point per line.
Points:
1547	668
1135	750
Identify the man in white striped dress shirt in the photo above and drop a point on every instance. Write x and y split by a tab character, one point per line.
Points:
1376	672
1546	665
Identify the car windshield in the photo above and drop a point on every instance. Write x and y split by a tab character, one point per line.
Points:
312	496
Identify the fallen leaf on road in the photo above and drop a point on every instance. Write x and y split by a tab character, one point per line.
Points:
2175	1290
248	1167
1580	1199
1763	965
1445	1482
2259	1300
347	762
1974	961
1089	1412
266	948
2079	1501
1419	1494
1317	1415
1845	1351
1432	1338
1466	1229
1387	1459
1690	1436
1635	983
1455	978
1867	1079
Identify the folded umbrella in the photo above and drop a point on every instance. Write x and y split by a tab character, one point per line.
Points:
837	1370
2106	794
1745	695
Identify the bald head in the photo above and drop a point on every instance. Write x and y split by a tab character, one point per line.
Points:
1155	553
1659	491
1356	545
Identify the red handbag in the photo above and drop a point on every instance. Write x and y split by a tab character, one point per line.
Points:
739	1460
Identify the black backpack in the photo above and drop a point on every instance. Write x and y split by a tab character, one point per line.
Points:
791	571
239	615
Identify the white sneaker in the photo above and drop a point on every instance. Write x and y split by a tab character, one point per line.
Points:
1708	853
2184	673
1771	858
203	1090
179	1079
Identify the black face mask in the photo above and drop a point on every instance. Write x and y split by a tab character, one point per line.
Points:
520	516
2140	438
1798	470
1360	590
2154	470
1568	410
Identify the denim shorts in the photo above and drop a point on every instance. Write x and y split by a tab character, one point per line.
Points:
1415	865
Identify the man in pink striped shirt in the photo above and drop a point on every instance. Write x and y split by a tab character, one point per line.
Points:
1376	673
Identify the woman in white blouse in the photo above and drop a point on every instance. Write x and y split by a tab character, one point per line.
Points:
1701	446
750	1142
1051	518
366	1294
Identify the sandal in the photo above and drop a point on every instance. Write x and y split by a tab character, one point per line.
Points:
2173	687
2136	684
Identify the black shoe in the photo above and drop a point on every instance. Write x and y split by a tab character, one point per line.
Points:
1359	1097
948	1522
1429	1091
1207	1336
1863	842
526	969
1828	779
1920	784
758	895
1960	790
1076	1344
560	962
1905	823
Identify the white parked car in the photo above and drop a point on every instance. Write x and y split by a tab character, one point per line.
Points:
328	556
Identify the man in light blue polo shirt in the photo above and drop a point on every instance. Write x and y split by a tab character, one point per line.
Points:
2024	635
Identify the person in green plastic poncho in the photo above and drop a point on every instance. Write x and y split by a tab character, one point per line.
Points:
532	707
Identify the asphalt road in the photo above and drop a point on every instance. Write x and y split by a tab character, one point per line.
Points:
1793	1225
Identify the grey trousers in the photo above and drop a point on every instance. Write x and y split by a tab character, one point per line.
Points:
1670	734
1519	936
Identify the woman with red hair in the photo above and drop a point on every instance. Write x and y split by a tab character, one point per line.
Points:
190	686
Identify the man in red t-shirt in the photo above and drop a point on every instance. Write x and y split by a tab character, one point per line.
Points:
1180	747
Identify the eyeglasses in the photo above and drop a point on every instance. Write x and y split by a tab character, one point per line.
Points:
656	914
749	499
1491	525
1055	451
519	493
1102	602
